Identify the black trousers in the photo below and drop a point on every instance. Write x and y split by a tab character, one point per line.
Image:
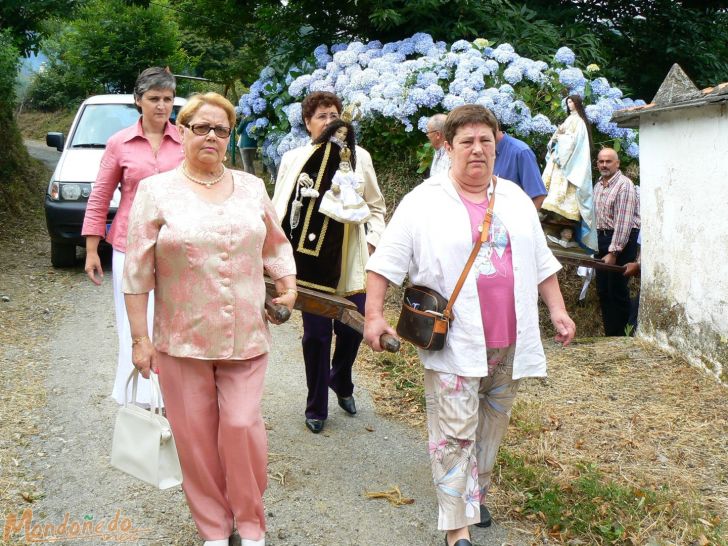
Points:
322	371
613	288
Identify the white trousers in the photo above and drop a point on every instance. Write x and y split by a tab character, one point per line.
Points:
124	366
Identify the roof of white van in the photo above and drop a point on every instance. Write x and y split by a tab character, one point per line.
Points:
121	99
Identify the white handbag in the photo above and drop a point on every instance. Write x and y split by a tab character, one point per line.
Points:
143	444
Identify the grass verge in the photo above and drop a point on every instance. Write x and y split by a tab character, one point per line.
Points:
35	125
622	444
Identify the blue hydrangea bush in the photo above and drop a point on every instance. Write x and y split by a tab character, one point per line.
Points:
398	85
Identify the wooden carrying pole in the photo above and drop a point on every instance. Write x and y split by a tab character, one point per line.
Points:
326	305
576	258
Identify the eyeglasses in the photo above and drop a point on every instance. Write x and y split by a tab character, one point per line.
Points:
324	117
433	131
203	129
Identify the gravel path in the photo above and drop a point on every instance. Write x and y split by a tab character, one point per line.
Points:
317	483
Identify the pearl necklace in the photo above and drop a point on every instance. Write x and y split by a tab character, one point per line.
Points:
207	183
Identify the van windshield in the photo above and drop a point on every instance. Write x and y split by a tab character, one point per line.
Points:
99	121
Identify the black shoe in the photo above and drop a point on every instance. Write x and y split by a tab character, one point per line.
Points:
485	519
315	425
461	542
347	404
235	539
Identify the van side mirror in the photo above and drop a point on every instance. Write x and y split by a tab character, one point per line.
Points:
55	140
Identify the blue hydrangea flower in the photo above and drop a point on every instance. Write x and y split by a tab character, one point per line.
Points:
345	58
294	114
513	74
434	94
572	78
422	123
542	125
323	60
452	101
461	45
490	67
406	47
426	78
423	42
592	112
321	50
321	85
356	47
392	91
633	150
614	93
485	101
256	87
406	81
259	105
565	56
456	86
506	89
299	86
504	53
534	74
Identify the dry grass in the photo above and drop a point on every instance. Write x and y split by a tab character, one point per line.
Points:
35	125
622	444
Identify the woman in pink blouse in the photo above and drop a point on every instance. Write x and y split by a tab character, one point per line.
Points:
152	145
202	236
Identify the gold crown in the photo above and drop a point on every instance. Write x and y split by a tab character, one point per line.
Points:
351	113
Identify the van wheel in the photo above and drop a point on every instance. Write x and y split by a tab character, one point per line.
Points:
63	255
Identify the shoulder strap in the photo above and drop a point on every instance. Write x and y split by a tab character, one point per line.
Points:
484	234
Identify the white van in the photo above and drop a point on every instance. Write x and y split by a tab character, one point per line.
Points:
97	119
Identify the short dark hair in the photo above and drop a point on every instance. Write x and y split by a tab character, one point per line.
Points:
319	98
154	77
468	114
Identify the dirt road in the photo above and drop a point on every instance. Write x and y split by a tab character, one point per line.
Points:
317	483
46	154
58	330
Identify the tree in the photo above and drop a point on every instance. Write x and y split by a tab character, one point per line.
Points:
643	38
21	29
112	41
24	20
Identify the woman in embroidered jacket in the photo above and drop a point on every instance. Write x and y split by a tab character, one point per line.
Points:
330	254
567	175
201	236
494	337
150	146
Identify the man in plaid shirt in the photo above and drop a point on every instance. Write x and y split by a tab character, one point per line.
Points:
617	206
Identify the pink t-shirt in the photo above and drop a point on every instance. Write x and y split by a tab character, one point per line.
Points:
494	267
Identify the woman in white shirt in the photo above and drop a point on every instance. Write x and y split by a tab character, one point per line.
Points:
494	337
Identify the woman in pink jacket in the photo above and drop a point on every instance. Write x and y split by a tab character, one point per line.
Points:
152	145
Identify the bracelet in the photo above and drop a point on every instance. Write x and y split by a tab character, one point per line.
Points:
136	340
288	291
